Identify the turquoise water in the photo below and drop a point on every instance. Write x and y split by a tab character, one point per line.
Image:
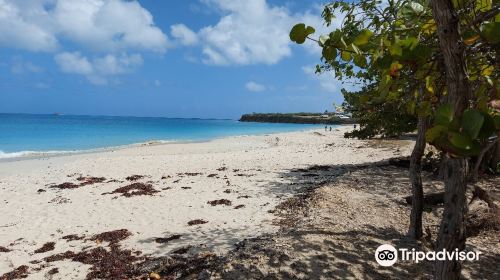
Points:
22	134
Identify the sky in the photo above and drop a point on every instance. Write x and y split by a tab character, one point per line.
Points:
175	58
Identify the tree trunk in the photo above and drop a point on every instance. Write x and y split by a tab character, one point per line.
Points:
417	191
452	232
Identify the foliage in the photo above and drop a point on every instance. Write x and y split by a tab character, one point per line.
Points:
393	46
386	120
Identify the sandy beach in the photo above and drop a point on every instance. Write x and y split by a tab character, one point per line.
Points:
197	196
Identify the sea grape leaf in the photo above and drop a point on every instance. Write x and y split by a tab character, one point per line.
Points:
363	38
444	115
472	121
435	132
329	53
460	140
300	32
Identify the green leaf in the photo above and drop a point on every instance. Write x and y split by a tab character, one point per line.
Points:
416	7
490	31
472	121
460	140
346	56
488	128
435	132
360	60
444	115
329	53
300	32
363	38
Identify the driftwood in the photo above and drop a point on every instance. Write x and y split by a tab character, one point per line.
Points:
429	199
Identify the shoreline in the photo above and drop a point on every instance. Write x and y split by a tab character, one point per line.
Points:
29	155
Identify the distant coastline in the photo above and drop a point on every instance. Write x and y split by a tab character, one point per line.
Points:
300	118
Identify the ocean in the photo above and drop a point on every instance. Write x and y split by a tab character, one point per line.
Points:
25	135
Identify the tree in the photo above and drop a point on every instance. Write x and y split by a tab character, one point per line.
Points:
413	53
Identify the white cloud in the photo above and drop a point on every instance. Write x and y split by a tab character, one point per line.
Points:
101	25
74	63
328	82
249	32
253	32
255	87
98	69
20	30
183	34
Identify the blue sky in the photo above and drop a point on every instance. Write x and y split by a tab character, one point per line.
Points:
176	58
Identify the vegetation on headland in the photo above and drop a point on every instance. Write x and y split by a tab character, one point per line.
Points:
439	61
301	118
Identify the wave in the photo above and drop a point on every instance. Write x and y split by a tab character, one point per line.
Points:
38	154
24	154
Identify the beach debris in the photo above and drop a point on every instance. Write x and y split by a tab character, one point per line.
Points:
212	175
239	206
53	271
197	222
18	273
114	263
114	181
189	174
220	202
49	246
112	237
223	168
236	170
166	177
40	191
244	196
167	239
176	181
186	188
85	181
90	180
245	175
134	177
228	191
72	237
4	250
134	190
182	250
60	257
65	186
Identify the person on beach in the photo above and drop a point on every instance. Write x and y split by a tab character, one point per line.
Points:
326	127
330	128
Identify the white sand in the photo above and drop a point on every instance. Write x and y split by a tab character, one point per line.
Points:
29	219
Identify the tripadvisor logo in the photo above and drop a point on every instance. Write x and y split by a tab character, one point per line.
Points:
387	255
